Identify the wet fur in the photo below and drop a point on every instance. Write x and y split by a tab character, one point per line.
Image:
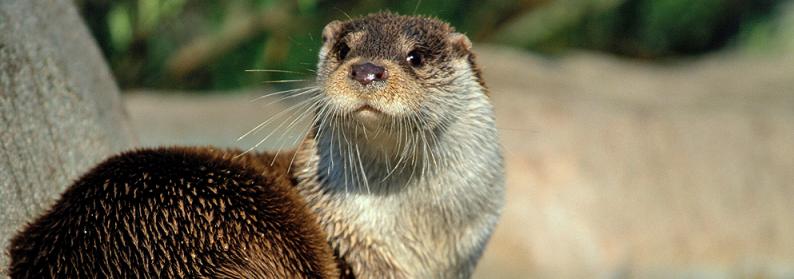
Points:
176	212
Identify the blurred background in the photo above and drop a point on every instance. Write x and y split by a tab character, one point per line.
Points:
644	138
204	45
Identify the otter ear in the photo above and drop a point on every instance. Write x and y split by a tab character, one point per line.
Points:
459	42
330	30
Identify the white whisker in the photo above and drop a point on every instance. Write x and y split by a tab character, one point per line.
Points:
361	166
276	116
301	104
308	88
284	81
289	128
272	71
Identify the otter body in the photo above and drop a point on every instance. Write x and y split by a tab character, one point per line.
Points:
176	213
401	173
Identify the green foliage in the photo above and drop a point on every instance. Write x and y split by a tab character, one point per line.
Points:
119	22
763	35
203	44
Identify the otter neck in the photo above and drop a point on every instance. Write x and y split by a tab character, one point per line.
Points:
359	160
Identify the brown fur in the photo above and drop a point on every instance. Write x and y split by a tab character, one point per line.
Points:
428	35
198	212
177	212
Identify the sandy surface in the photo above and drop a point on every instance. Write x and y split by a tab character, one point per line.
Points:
616	169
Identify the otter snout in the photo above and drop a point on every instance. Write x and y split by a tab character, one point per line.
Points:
366	73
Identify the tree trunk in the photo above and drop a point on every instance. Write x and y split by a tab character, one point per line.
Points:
60	111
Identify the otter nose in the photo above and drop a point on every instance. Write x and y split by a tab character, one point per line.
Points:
368	72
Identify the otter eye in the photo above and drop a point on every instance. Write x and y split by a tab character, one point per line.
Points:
415	58
342	50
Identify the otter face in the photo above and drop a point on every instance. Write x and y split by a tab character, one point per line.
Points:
386	68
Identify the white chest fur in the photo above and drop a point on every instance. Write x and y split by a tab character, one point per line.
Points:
433	225
429	234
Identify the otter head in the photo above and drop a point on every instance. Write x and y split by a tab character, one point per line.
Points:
391	88
386	72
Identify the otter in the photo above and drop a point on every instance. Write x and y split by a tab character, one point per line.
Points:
400	176
403	166
176	212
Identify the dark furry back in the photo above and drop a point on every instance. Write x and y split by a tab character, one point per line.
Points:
176	212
